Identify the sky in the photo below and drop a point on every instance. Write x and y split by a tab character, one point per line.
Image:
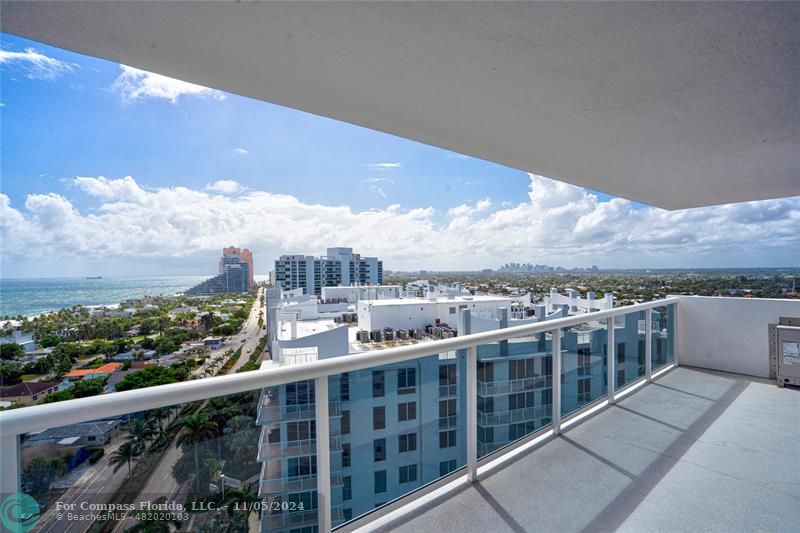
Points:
109	170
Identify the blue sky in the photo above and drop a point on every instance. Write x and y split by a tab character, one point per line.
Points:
76	125
112	170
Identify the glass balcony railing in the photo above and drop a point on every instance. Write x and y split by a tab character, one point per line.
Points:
514	416
269	412
509	386
383	410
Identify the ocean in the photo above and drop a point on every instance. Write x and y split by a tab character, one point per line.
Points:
34	296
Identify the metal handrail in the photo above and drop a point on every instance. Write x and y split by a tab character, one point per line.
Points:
34	418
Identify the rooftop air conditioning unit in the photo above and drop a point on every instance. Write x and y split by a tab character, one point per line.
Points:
784	351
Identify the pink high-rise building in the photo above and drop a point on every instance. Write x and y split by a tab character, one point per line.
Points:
245	255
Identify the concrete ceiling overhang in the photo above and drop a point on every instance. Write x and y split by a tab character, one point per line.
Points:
671	104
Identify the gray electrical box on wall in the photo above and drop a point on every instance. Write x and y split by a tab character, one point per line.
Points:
785	351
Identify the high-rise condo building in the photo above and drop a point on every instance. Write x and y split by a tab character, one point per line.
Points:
339	267
235	267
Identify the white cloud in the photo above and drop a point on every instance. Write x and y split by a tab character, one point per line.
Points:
134	85
483	205
374	186
556	224
225	187
240	151
383	166
37	65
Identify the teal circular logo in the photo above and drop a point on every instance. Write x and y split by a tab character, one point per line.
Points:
19	512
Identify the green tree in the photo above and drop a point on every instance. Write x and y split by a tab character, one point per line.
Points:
125	454
241	435
195	430
220	410
10	373
140	431
11	350
208	321
38	475
49	340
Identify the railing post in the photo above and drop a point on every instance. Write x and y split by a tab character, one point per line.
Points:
611	359
9	464
323	455
472	414
556	400
648	345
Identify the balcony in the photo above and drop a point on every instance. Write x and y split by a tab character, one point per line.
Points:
297	518
273	450
271	412
698	439
514	416
695	451
510	386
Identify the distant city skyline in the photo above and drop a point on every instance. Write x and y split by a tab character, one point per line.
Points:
110	170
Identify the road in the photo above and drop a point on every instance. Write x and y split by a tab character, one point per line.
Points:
100	483
97	485
161	482
247	339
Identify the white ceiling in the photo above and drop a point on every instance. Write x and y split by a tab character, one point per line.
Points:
671	104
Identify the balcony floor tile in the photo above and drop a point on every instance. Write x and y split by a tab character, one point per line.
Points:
695	451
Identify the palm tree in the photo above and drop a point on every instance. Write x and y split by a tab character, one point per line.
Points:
220	410
126	453
241	435
195	429
140	431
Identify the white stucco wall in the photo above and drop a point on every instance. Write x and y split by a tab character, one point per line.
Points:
729	334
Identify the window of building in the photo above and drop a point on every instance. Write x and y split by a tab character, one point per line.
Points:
517	431
344	387
641	352
447	413
584	390
92	438
485	434
485	372
546	397
345	422
347	490
520	369
621	352
346	460
447	439
347	514
407	442
378	389
300	393
448	380
302	466
620	377
407	411
303	500
380	481
547	365
408	473
301	430
485	404
379	450
445	467
521	400
406	380
379	417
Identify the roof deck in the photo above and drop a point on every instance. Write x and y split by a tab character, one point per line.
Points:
694	451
